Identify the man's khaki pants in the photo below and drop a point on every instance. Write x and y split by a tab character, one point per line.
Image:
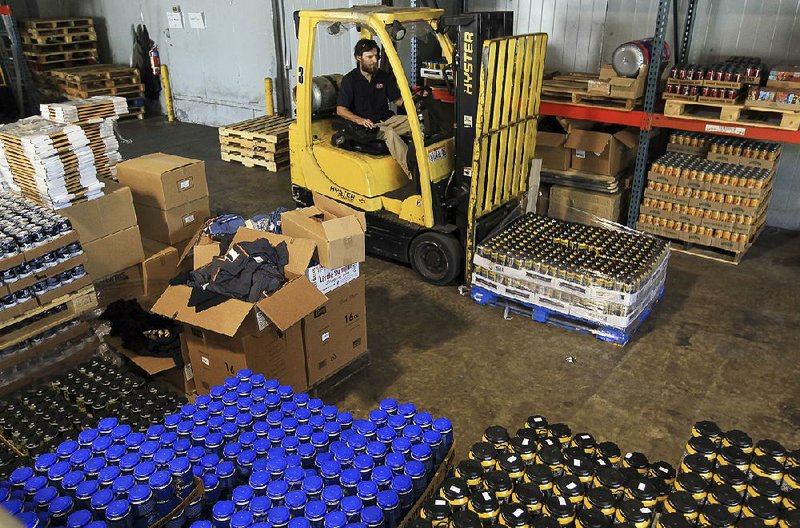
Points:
390	130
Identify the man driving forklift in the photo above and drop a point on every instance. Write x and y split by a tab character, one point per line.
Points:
363	99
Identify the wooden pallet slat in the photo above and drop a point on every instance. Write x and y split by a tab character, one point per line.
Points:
733	114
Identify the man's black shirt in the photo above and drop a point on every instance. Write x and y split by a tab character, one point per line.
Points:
369	99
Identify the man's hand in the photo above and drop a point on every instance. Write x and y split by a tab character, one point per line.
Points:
363	121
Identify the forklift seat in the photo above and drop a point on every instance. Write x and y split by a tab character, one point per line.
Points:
350	136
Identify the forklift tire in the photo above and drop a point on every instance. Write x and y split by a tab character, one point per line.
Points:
437	257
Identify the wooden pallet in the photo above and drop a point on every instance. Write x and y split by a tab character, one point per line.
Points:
37	67
56	23
242	143
269	129
62	37
247	161
51	57
256	152
734	114
96	72
706	252
573	89
41	49
122	90
133	113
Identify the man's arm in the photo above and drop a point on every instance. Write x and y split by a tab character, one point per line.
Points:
343	111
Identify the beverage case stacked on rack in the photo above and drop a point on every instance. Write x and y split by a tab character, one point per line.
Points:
252	453
608	276
547	477
720	83
719	201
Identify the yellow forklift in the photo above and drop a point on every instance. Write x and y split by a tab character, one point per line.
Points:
470	153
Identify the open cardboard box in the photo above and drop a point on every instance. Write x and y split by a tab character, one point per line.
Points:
601	152
238	334
337	229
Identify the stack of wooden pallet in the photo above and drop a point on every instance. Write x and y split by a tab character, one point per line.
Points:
605	90
263	142
50	163
96	116
102	79
51	43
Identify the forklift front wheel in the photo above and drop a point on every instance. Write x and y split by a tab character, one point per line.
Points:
437	257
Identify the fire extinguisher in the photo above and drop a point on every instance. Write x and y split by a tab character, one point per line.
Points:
155	61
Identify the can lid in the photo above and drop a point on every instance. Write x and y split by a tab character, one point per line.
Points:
313	484
66	448
315	510
156	430
415	468
72	479
388	499
591	518
44	461
351	504
139	493
295	498
122	484
401	444
330	468
382	474
29	519
372	515
299	522
14	507
402	483
242	494
260	504
210	481
278	515
59	505
277	488
105	425
306	450
335	519
160	479
407	409
225	469
180	465
421	451
45	495
332	493
366	489
241	519
223	509
201	524
101	499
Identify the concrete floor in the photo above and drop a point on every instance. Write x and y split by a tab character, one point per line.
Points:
721	345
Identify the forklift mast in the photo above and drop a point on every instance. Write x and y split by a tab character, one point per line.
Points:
473	29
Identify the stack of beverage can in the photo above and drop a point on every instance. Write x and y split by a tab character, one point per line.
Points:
546	476
266	456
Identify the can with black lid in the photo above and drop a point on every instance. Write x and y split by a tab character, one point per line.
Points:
791	479
529	495
545	521
737	438
642	489
541	476
512	464
610	478
767	466
514	515
663	471
498	436
733	456
693	484
790	519
772	448
586	442
637	461
538	423
635	512
472	472
701	445
601	499
673	520
561	509
592	519
499	484
699	464
725	495
562	432
456	492
436	510
610	451
761	508
486	506
716	516
683	503
570	488
732	476
524	448
551	457
465	519
485	454
580	467
750	522
764	487
793	458
791	500
708	429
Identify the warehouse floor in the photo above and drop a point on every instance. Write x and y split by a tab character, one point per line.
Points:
721	345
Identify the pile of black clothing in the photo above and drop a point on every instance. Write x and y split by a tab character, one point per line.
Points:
142	332
246	271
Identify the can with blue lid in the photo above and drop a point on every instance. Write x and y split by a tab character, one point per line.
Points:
335	519
404	487
372	516
59	509
143	505
389	502
278	516
260	507
367	491
332	497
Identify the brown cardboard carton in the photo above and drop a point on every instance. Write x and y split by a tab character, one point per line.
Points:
108	214
287	306
578	205
164	181
338	230
114	252
336	333
172	225
551	150
601	152
159	266
124	284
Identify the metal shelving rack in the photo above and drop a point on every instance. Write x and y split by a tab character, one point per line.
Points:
647	120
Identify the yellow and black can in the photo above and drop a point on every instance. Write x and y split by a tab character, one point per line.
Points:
765	488
523	447
642	489
551	456
790	519
560	509
514	515
436	510
791	479
701	445
772	448
683	503
716	516
541	476
592	519
725	495
586	442
456	492
693	484
698	464
570	488
708	429
610	451
500	485
633	511
610	478
662	470
636	461
465	519
791	500
486	506
761	508
732	476
498	436
673	520
529	495
580	467
767	466
470	471
737	438
601	499
733	456
485	454
513	465
562	432
538	423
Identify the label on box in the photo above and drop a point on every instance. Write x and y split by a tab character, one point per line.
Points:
326	336
737	131
184	184
188	219
205	361
329	279
187	372
580	154
261	320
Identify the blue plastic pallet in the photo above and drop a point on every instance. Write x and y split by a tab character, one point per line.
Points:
570	322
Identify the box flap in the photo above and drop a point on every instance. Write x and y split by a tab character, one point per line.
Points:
300	250
339	228
550	139
628	137
204	253
157	162
224	318
589	141
607	72
571	125
295	300
338	209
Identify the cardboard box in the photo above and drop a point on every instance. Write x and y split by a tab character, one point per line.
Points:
601	152
112	253
103	216
610	84
338	231
329	279
578	205
172	225
164	181
336	333
551	150
124	284
265	336
159	266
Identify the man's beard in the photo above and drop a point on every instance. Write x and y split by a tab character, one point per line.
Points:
371	69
